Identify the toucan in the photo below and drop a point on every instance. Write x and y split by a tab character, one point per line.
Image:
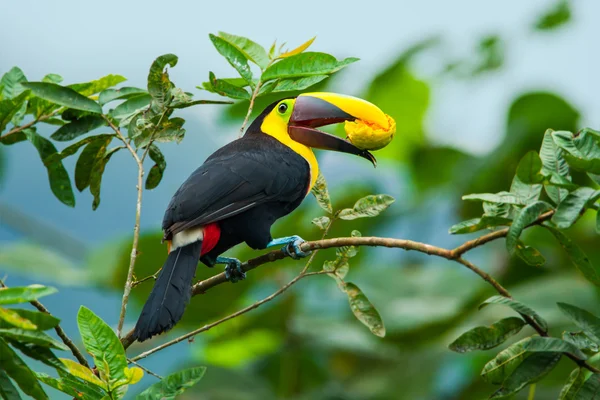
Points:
241	190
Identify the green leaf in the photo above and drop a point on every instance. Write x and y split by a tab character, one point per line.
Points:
581	340
173	385
226	89
487	337
529	169
108	95
590	389
577	256
251	50
40	353
496	209
305	64
321	222
14	367
551	344
72	386
35	337
557	16
368	206
10	107
41	320
132	105
501	197
530	255
339	268
72	149
156	172
60	183
98	85
573	385
363	310
63	96
197	102
505	362
531	370
585	320
102	343
235	57
78	127
168	131
14	318
96	175
11	83
7	390
321	193
24	294
528	193
523	218
159	85
582	152
477	224
289	85
571	207
554	162
92	153
518	307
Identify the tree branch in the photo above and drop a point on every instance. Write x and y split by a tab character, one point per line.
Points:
60	332
136	227
449	254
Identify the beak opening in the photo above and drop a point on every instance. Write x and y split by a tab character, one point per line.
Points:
314	110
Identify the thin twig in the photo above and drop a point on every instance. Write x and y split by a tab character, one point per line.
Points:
153	276
27	125
60	332
144	368
136	227
250	107
285	287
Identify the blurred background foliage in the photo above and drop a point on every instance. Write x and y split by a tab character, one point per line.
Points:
306	344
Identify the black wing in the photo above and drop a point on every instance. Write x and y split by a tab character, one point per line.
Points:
241	175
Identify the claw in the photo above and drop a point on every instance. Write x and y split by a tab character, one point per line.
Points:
293	249
233	269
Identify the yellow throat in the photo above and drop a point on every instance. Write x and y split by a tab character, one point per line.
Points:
275	126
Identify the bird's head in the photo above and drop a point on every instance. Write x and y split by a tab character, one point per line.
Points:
296	119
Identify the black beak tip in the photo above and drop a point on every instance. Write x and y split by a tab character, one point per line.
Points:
370	157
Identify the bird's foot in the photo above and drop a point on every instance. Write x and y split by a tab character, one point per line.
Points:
233	269
292	246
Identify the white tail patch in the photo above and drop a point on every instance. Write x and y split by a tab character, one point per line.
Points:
186	237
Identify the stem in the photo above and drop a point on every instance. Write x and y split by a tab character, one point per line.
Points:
247	117
27	125
145	369
136	227
531	395
60	332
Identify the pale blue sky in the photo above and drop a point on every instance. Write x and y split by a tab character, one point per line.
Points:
84	40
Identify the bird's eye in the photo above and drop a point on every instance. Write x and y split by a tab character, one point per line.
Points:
282	108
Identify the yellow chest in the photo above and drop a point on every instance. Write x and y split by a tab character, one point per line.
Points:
277	128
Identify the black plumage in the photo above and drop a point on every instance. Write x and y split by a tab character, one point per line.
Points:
245	186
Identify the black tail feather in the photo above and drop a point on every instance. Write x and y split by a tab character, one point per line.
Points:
171	293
